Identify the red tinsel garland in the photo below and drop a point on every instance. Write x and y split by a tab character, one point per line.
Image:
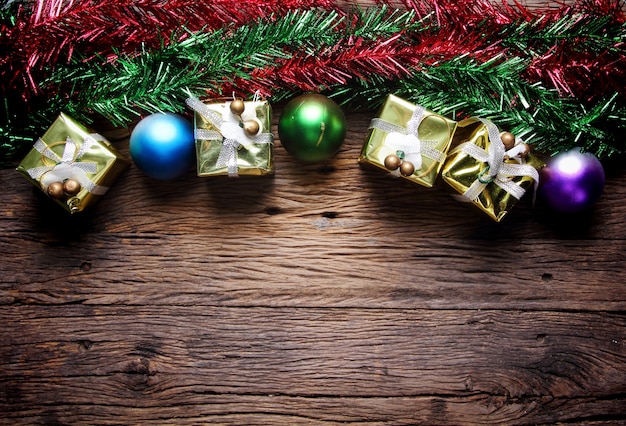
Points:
582	74
490	50
390	57
585	75
51	31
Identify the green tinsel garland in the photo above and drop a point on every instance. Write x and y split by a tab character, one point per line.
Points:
160	80
537	114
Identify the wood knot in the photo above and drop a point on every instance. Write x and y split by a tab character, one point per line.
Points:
326	170
272	211
138	373
85	345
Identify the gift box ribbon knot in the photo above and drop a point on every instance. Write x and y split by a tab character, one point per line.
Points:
68	165
229	131
407	141
497	170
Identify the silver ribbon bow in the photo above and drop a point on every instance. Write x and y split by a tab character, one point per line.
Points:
407	139
230	133
67	166
497	170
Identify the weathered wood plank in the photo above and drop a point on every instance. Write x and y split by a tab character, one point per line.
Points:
345	270
314	235
303	365
283	410
336	195
326	294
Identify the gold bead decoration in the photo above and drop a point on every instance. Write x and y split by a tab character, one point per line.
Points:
55	190
71	187
237	107
407	168
392	162
508	139
251	127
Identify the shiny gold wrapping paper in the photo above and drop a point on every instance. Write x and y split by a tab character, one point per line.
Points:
460	170
435	127
110	163
255	160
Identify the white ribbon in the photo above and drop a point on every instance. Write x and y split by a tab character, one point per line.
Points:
67	166
229	132
407	139
497	170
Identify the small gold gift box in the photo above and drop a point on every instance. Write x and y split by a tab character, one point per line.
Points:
233	144
488	176
408	141
72	164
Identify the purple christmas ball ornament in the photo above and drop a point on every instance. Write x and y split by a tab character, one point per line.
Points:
572	181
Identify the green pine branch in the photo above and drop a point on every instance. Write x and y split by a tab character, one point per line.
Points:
158	80
494	90
154	80
584	33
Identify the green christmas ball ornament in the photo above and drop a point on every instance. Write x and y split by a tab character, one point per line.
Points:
312	127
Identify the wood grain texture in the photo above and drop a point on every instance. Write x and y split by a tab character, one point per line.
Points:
312	364
326	294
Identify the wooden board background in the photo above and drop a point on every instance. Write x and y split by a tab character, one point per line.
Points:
327	294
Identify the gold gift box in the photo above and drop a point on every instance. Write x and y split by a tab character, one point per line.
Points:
461	170
433	127
109	163
253	159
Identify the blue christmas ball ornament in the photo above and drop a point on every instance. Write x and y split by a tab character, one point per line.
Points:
162	145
